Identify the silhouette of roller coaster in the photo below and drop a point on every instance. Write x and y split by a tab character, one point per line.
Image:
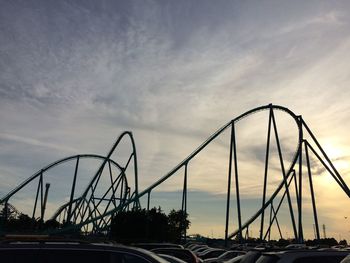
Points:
113	186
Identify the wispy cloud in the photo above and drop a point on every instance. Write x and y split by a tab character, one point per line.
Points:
331	18
35	142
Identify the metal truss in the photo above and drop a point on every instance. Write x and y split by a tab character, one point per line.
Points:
92	213
75	213
291	177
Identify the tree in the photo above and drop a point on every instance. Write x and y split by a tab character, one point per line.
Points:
178	224
157	225
22	224
153	225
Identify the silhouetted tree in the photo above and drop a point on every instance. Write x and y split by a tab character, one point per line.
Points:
51	224
152	225
22	224
129	225
157	225
178	224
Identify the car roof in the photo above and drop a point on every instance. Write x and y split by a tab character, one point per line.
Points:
156	245
171	258
177	252
306	253
75	246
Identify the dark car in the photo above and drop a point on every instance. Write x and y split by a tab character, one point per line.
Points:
67	252
200	249
211	253
171	259
304	256
251	257
225	256
184	254
150	246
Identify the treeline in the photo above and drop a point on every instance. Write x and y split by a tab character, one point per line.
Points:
24	224
323	242
137	225
149	226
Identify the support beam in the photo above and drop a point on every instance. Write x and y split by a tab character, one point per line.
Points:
47	187
36	198
237	185
336	174
184	199
265	173
279	206
229	187
284	177
312	192
148	199
72	191
300	199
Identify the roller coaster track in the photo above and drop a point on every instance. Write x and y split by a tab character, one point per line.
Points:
88	205
87	212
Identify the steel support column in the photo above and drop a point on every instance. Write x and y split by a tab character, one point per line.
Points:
265	173
237	185
229	187
184	199
300	199
72	191
148	200
284	177
312	191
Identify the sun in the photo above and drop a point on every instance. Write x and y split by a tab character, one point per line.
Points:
333	150
337	155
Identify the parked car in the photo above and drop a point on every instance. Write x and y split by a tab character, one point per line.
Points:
346	259
304	256
171	259
192	243
211	253
236	259
203	250
184	254
250	257
199	248
150	246
73	252
225	256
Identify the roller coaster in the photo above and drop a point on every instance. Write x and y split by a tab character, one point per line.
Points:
113	186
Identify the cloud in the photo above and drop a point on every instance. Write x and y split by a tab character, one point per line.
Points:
73	75
34	142
331	18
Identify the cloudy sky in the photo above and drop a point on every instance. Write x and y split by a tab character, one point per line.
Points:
75	74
